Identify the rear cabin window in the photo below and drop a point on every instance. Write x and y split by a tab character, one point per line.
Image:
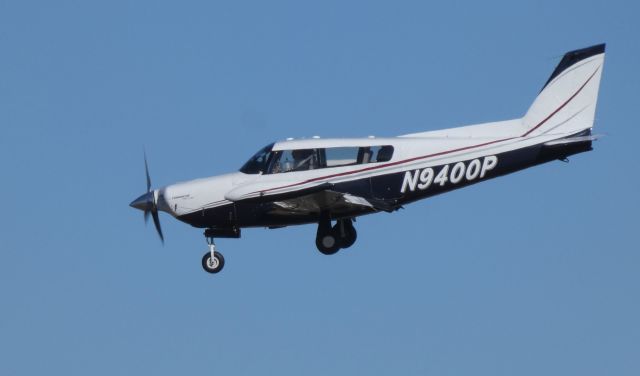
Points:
377	154
311	159
341	156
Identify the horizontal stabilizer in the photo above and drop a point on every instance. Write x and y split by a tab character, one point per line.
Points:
570	140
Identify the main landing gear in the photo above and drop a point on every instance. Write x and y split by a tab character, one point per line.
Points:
330	240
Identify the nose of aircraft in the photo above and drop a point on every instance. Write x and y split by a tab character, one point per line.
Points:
144	202
148	204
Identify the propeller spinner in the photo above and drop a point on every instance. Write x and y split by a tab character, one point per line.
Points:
148	202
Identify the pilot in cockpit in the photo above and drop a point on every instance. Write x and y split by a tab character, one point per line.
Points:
303	159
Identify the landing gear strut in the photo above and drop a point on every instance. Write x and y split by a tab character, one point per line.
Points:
329	239
346	232
212	261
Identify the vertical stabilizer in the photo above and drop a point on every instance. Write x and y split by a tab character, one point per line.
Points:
567	102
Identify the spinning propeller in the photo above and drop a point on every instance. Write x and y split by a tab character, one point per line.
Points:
148	202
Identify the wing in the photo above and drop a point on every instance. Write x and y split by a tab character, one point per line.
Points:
330	201
311	199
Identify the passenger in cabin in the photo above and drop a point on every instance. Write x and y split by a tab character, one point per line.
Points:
385	153
364	155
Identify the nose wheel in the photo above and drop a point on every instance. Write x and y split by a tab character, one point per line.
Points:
212	261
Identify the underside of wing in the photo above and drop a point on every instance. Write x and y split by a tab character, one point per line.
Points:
328	201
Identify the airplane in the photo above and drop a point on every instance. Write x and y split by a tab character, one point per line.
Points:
330	182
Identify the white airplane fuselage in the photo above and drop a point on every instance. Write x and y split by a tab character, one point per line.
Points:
420	167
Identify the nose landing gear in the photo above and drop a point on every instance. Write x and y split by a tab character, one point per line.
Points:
212	261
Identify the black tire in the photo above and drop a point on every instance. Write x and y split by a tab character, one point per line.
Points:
327	242
350	237
215	266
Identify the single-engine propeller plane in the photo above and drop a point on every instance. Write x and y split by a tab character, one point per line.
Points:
330	182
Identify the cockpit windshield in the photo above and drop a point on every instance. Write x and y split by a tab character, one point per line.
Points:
259	163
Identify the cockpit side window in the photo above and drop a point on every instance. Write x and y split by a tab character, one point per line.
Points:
295	160
259	163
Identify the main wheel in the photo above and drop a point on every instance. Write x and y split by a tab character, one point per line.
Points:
350	236
212	265
346	233
327	242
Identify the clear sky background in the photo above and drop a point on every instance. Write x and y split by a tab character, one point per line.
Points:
535	273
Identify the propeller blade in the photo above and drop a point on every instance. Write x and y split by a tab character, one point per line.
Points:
146	170
156	221
148	202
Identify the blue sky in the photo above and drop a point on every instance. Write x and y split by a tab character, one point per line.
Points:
533	273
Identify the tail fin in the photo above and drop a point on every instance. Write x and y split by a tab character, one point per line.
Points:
567	102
